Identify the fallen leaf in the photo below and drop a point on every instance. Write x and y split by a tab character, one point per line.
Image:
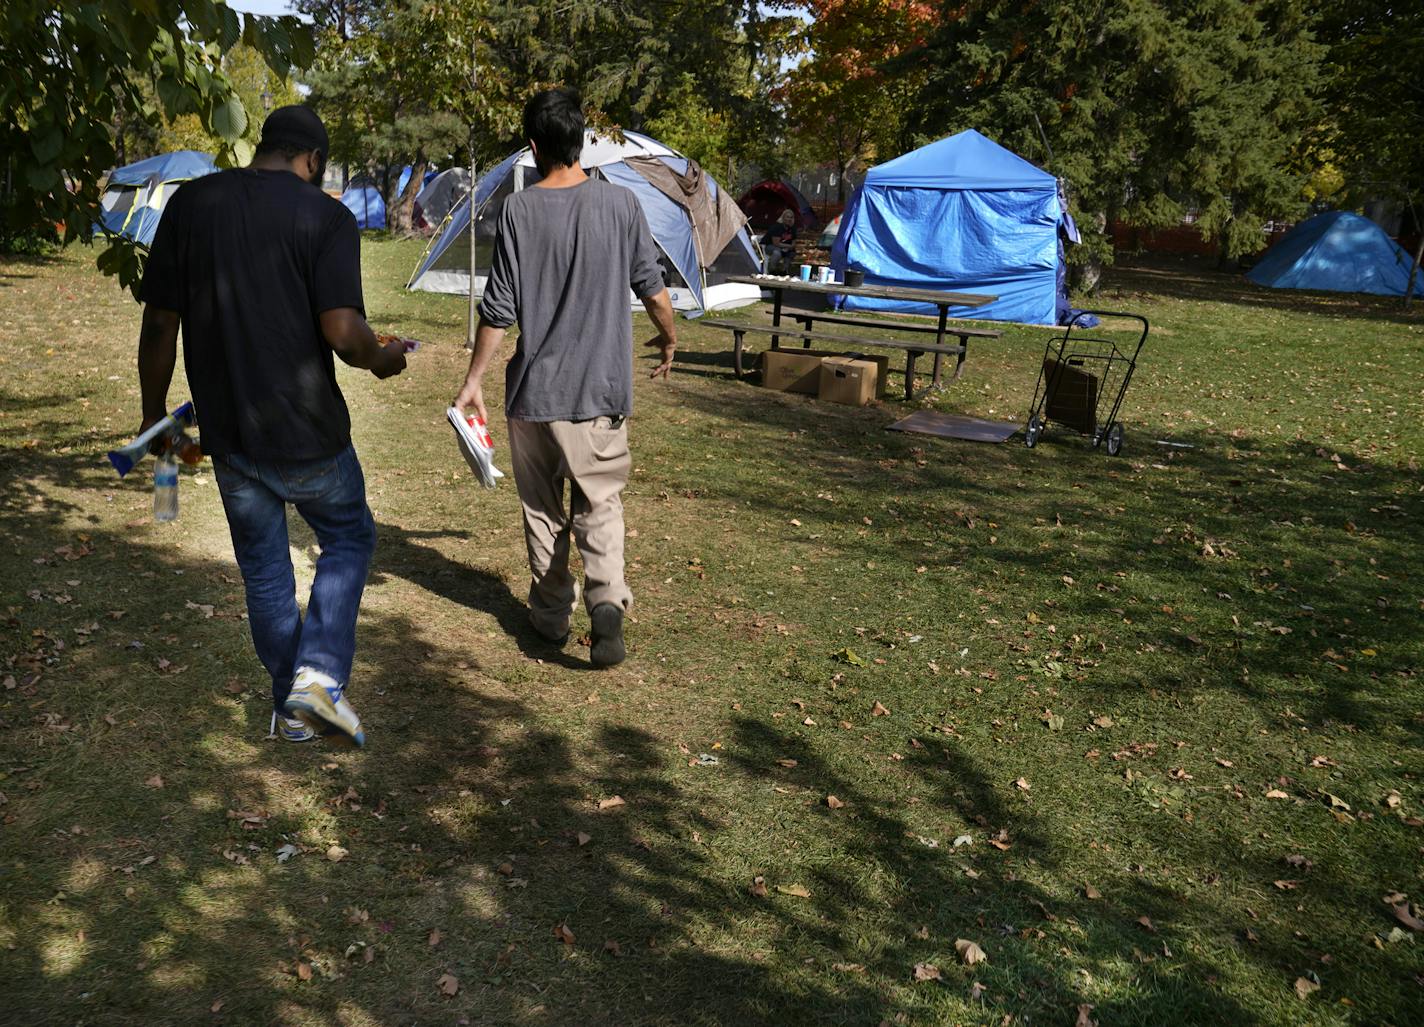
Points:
1276	793
808	722
976	991
1103	722
304	971
1147	923
1402	914
448	985
1287	885
216	1007
505	868
563	933
797	890
759	887
848	968
1392	800
1021	784
1224	763
1090	892
336	853
878	710
1084	1020
927	972
156	781
848	656
369	956
970	954
584	839
1337	803
435	938
1304	986
833	802
286	852
787	763
611	802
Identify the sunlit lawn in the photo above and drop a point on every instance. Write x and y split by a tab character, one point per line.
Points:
1148	730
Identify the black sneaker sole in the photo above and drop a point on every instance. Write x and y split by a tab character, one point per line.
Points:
607	649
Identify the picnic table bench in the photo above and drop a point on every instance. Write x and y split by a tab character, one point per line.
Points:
913	349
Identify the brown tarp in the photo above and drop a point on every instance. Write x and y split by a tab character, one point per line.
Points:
714	223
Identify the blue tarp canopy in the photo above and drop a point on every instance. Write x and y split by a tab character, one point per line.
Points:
962	214
135	195
1337	252
365	202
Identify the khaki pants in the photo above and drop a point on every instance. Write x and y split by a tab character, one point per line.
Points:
592	456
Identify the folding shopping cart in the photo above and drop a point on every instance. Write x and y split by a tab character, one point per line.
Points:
1083	380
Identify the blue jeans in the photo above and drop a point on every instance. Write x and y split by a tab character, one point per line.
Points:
330	494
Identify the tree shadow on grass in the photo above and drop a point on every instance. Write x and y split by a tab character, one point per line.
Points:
1199	281
484	806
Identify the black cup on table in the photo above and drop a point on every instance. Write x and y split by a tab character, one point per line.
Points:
854	278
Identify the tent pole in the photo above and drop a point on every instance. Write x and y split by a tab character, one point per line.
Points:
470	320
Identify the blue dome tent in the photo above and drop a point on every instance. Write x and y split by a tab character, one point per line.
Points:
1337	252
135	195
965	214
365	202
694	278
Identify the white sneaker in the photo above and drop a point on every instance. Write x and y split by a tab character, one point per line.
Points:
319	703
293	730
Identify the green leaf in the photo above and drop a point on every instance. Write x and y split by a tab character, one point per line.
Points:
848	656
229	120
47	145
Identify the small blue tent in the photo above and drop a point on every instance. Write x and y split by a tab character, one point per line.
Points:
365	202
1337	252
135	195
962	214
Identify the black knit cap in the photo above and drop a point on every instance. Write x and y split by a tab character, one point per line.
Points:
296	125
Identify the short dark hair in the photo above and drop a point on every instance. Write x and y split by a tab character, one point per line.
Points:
553	122
281	148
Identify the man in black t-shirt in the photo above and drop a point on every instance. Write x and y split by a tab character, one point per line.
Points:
263	272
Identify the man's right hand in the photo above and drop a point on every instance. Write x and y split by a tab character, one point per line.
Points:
666	351
392	360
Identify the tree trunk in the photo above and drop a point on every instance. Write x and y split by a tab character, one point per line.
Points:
1414	270
402	214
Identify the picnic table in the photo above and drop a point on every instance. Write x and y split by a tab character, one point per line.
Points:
913	349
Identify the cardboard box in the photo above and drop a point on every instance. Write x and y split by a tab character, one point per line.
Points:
792	370
848	381
882	370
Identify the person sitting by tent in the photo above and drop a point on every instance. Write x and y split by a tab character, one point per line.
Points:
779	244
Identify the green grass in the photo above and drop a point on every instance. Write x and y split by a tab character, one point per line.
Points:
1237	611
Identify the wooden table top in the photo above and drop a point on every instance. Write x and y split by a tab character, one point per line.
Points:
938	297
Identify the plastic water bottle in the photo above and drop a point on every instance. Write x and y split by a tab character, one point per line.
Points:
165	488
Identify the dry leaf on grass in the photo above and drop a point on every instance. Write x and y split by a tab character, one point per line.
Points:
1304	986
1146	922
1276	793
336	853
927	972
1084	1020
304	971
563	933
156	781
1090	892
878	710
435	938
612	948
1402	914
796	890
833	802
787	763
448	984
611	802
584	839
970	954
1021	784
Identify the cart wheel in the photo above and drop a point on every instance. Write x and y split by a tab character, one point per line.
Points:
1114	437
1033	431
1097	437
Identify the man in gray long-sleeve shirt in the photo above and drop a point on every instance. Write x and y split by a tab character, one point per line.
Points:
566	252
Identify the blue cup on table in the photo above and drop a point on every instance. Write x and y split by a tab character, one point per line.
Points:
805	272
